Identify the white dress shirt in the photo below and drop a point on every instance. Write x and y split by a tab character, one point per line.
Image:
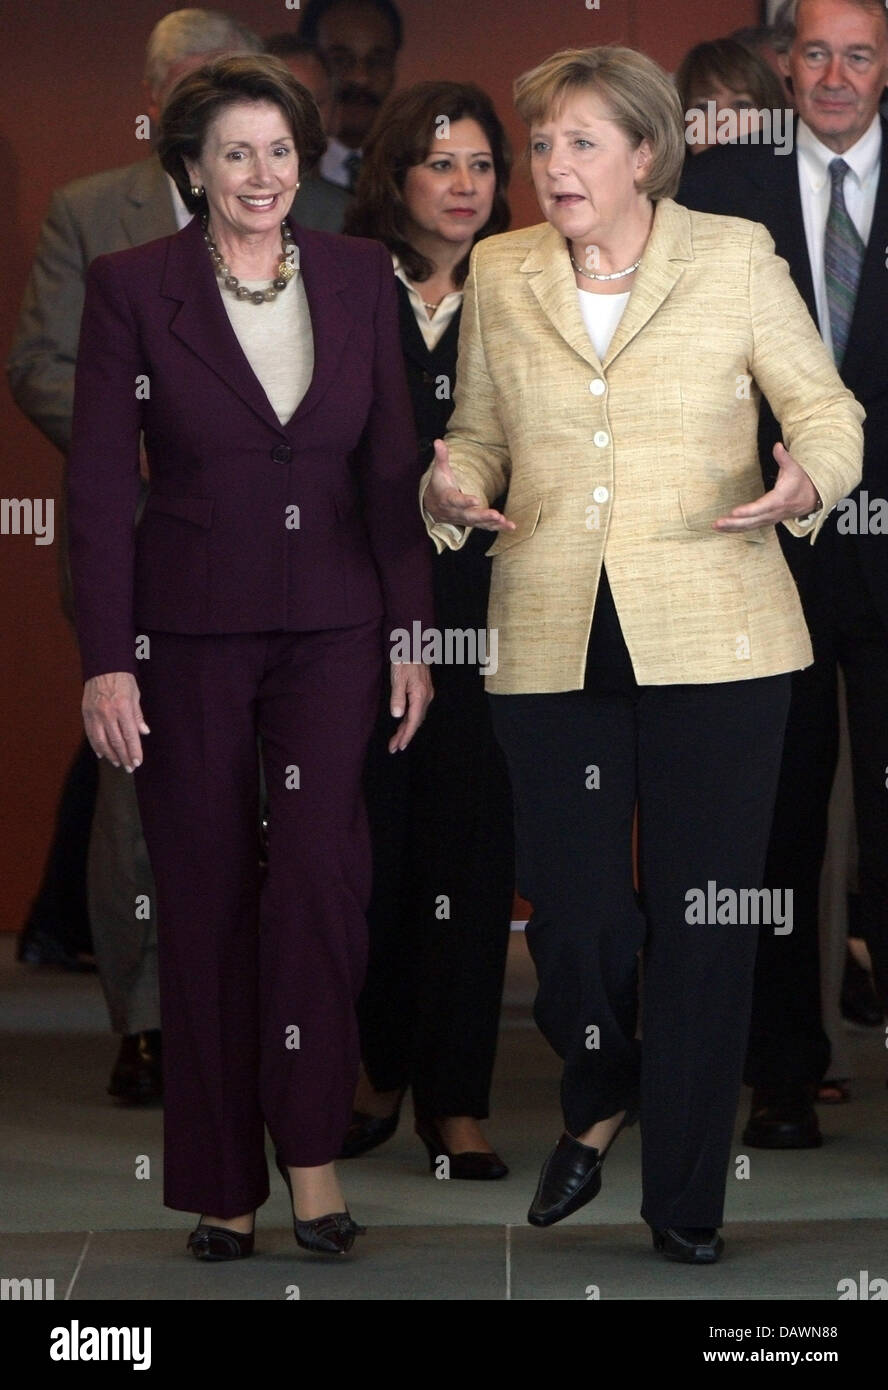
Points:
432	327
334	162
863	160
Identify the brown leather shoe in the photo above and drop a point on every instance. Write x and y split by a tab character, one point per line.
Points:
136	1078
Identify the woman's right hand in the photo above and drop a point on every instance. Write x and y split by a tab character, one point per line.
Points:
445	501
113	719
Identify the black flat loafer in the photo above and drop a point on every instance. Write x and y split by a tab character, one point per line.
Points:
219	1243
692	1245
570	1177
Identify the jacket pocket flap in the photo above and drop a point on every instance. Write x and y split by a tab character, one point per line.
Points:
699	516
525	518
198	510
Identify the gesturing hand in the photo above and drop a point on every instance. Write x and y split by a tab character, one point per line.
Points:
445	501
793	495
113	719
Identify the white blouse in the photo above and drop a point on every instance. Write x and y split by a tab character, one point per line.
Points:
601	314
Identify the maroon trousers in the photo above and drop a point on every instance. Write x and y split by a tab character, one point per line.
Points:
258	979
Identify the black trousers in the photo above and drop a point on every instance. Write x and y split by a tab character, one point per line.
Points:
702	763
787	1042
443	882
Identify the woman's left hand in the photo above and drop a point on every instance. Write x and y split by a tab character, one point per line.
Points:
793	495
411	695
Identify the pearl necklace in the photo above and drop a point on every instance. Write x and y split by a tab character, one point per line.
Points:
285	271
617	274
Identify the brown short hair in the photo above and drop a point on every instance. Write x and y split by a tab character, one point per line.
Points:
733	66
639	94
198	98
402	136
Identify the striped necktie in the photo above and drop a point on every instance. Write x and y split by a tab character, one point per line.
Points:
843	257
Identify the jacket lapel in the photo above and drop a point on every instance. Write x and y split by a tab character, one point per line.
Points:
327	292
202	322
867	326
551	278
785	220
668	251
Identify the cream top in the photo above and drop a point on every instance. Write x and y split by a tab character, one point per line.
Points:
276	338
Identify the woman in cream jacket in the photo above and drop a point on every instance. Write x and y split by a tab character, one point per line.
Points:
611	365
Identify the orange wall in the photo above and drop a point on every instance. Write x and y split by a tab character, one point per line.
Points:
71	84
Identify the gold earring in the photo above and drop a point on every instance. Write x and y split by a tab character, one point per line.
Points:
298	185
195	191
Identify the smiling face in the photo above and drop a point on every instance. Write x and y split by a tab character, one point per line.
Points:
450	195
839	65
249	167
585	170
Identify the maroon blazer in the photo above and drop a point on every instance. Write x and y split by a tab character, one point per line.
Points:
213	552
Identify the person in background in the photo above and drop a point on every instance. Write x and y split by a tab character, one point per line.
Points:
759	39
733	79
826	206
647	620
361	40
318	202
278	547
87	218
433	184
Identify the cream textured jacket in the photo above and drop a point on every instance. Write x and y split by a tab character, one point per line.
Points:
630	460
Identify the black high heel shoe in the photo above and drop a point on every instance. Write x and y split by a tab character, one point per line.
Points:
215	1243
333	1234
483	1167
571	1177
367	1132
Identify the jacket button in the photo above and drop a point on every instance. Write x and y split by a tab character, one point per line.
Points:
601	439
281	453
600	494
597	387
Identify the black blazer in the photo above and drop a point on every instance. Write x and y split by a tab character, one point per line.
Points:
461	577
753	181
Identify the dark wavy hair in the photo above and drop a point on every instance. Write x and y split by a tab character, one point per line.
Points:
402	136
198	98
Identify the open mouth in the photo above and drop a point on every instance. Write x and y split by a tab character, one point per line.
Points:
261	204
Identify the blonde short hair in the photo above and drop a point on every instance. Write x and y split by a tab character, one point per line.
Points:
640	96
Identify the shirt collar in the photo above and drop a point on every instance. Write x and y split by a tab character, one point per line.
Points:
413	289
863	158
336	150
